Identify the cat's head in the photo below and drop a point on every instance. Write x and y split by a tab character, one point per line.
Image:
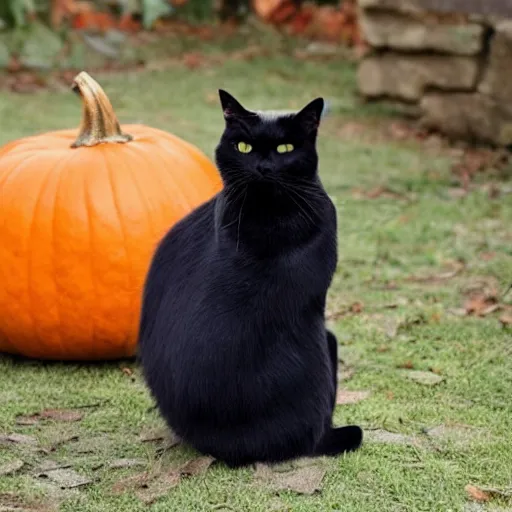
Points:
268	146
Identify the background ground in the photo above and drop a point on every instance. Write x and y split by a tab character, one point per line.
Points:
421	286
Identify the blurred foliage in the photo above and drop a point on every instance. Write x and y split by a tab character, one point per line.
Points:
47	34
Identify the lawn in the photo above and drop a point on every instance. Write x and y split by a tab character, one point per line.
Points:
416	254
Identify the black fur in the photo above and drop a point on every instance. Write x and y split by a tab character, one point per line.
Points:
233	341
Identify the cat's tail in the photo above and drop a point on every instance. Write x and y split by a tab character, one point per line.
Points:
340	440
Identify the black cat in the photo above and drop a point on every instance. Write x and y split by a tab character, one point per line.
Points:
233	341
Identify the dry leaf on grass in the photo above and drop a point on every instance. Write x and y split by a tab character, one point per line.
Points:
18	439
506	319
305	477
65	478
149	487
476	493
127	371
345	397
196	466
353	309
356	307
62	415
376	193
10	501
425	378
481	305
481	494
11	467
157	488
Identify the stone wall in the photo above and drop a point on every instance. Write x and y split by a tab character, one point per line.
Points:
454	70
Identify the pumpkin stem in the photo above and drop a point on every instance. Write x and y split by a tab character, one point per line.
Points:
99	122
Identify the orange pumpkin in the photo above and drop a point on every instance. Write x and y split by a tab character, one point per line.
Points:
80	217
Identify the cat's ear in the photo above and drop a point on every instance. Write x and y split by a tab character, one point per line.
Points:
309	117
231	108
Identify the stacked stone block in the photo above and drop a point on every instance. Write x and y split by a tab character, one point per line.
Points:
454	69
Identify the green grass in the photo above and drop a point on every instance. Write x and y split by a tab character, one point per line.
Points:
382	243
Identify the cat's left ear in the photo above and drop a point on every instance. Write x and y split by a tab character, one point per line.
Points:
309	117
231	107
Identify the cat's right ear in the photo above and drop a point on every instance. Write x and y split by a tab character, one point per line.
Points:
231	108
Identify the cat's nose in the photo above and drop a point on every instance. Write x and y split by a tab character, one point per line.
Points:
264	169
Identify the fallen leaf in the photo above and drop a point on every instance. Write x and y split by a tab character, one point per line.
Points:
487	255
385	437
62	415
476	493
127	371
11	502
131	482
169	443
455	268
158	487
62	9
346	397
11	467
409	365
493	492
482	304
506	319
18	439
377	192
193	60
196	466
148	487
356	307
425	378
302	479
65	478
126	463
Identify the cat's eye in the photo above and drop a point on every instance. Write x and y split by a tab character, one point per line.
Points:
285	148
243	147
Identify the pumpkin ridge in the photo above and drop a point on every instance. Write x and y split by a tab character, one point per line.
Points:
3	180
30	290
87	199
135	312
176	185
184	190
58	303
119	213
147	208
8	175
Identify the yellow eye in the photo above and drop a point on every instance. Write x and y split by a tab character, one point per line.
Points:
243	147
285	148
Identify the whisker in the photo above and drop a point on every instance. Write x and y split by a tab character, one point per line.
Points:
240	221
